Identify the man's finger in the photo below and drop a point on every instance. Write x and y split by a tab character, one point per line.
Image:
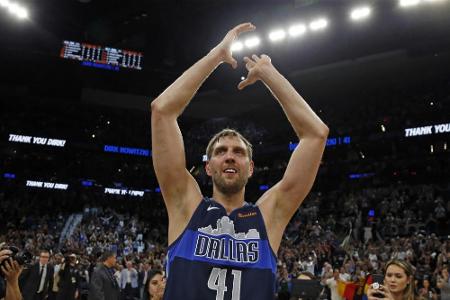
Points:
249	63
230	60
246	59
234	63
255	57
5	253
9	264
16	266
244	27
245	83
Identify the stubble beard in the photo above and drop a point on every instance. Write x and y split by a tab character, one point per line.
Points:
227	187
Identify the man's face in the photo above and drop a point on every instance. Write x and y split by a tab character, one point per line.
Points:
336	273
111	261
229	166
44	257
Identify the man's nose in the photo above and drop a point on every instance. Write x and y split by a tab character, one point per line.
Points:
229	156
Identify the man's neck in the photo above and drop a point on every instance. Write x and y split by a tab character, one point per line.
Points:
229	202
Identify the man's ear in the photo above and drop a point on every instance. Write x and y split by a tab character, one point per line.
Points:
252	168
207	168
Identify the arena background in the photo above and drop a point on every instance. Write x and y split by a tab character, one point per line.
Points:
381	84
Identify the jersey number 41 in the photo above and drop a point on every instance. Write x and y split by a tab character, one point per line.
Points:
217	279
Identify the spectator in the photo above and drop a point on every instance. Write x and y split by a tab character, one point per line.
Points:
69	279
103	285
129	281
36	281
154	286
331	281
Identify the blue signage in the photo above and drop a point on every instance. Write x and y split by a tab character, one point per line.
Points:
127	150
345	140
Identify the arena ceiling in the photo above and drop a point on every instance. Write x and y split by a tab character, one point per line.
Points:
396	45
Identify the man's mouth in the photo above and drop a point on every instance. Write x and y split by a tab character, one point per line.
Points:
230	171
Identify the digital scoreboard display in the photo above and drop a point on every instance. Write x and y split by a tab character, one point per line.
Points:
102	57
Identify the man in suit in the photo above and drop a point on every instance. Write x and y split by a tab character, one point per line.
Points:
35	281
142	278
103	284
69	279
129	281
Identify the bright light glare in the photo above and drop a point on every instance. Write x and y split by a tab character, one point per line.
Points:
13	8
297	30
360	13
277	35
237	46
318	24
22	13
252	42
406	3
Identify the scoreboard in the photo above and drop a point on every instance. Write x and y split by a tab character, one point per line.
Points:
102	57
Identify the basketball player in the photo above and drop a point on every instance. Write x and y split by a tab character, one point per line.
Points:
223	247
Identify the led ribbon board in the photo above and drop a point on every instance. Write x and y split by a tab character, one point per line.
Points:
330	142
26	139
427	130
47	185
102	57
127	150
123	192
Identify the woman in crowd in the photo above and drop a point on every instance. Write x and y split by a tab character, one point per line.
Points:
443	283
398	283
426	291
155	285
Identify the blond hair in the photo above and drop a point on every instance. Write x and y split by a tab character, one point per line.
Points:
228	132
409	292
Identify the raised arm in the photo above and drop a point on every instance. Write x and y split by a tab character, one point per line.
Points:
11	271
179	189
280	202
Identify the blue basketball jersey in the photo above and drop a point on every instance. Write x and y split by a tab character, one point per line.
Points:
221	256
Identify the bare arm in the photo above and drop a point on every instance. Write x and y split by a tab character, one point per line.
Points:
280	203
12	270
180	190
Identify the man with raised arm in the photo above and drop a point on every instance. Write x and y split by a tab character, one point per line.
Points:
223	247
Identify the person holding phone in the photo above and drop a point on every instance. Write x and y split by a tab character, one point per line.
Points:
398	283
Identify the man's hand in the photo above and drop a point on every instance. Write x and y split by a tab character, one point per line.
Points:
11	270
255	67
4	254
224	47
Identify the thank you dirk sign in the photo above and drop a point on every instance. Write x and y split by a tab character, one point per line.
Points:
427	130
26	139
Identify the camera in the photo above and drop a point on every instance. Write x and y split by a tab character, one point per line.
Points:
71	259
23	258
376	285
